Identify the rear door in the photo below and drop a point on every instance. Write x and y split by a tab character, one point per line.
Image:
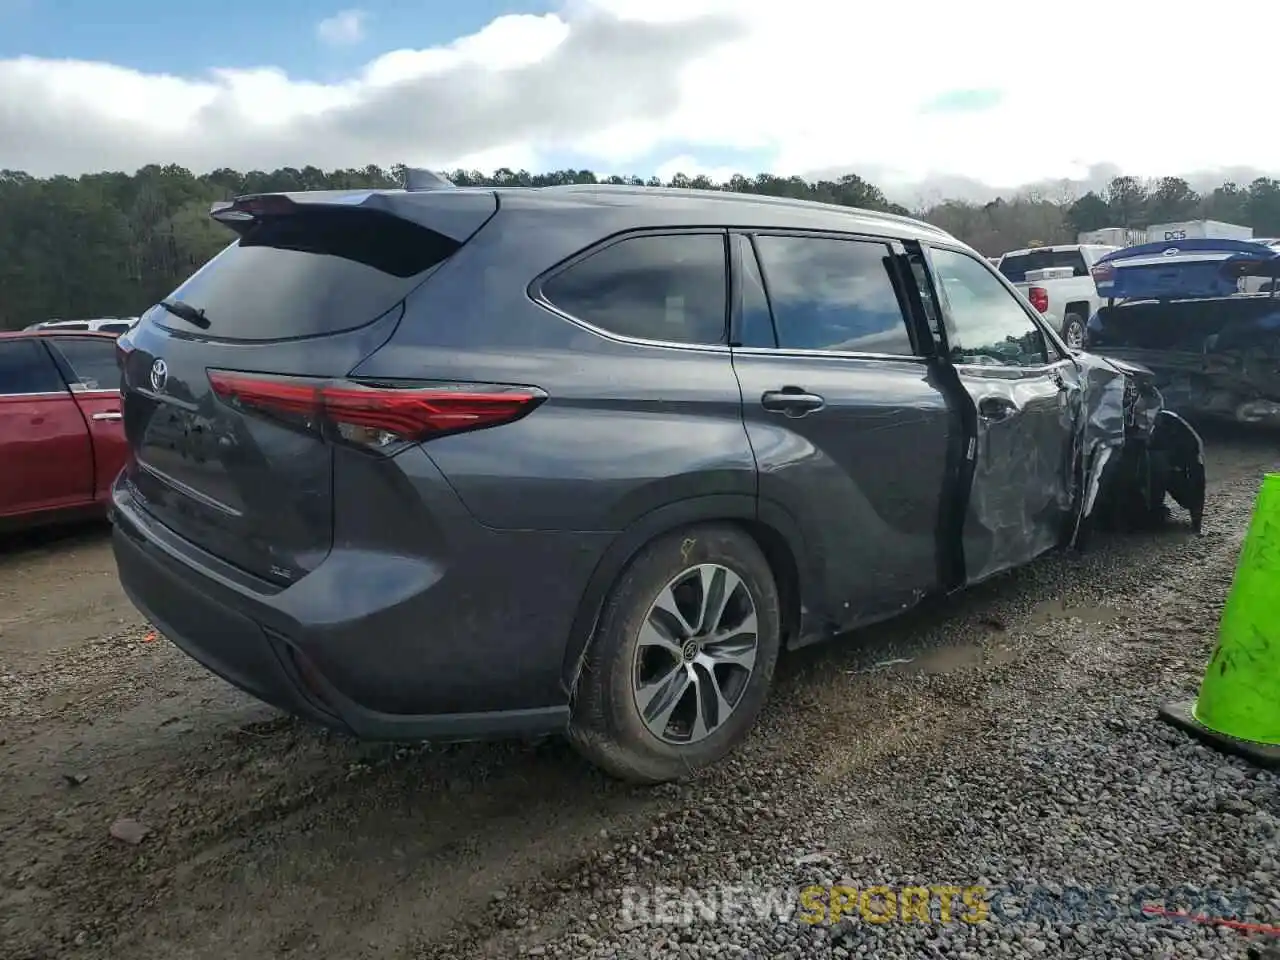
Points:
1025	396
850	428
46	462
90	367
306	293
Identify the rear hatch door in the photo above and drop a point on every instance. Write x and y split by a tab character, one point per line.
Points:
312	285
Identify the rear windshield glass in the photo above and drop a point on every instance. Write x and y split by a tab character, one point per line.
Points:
315	272
1015	266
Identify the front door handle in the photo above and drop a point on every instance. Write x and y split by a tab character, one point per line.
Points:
109	415
996	408
792	401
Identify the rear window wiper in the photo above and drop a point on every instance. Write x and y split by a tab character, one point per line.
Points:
185	311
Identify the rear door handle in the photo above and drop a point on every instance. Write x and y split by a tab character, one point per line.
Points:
996	408
109	415
792	401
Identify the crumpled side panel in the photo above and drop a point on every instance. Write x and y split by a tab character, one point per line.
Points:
1102	429
1023	483
1133	451
1092	443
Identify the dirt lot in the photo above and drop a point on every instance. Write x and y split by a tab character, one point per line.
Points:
267	837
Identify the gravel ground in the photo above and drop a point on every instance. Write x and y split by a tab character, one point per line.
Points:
147	810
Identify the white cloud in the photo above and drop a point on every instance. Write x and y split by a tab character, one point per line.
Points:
814	85
342	28
523	86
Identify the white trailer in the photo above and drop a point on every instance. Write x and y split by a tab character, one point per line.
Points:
1197	230
1113	237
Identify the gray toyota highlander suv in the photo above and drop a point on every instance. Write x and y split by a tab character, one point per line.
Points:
454	463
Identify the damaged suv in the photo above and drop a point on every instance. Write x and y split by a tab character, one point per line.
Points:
456	463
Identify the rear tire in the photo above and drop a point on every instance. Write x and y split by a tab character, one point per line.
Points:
1073	331
701	678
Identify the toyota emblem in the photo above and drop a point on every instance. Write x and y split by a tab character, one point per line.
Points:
159	375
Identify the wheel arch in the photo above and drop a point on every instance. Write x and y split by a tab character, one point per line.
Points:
774	532
1081	307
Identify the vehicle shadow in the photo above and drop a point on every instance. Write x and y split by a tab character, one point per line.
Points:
279	837
271	828
1219	433
20	544
267	829
274	835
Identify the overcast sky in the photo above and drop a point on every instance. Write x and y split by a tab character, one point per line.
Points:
925	99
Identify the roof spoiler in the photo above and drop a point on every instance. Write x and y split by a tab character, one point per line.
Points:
1182	270
417	179
440	207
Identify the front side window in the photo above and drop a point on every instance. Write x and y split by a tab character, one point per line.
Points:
668	288
987	324
26	368
833	294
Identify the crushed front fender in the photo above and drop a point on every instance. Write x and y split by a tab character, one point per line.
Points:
1134	454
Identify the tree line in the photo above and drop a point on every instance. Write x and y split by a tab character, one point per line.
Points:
112	244
1039	217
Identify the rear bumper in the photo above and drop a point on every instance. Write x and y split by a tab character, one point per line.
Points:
419	654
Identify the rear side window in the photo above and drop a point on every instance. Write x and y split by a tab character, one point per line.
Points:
669	288
310	273
92	361
25	367
832	294
1015	266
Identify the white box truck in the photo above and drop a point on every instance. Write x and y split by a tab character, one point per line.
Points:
1113	237
1197	230
1058	282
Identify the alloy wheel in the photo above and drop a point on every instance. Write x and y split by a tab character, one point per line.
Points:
695	654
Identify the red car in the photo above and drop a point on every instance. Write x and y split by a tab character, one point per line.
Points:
61	430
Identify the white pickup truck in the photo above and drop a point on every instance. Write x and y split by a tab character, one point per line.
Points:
1058	283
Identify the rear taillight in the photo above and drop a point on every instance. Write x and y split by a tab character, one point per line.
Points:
1104	274
1039	298
378	416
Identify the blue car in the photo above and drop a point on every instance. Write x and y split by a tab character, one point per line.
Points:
1203	316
